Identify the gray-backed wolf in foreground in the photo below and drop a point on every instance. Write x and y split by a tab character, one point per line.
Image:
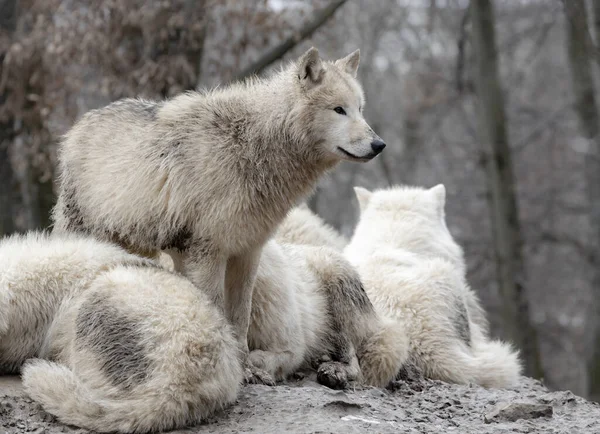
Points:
211	175
112	341
107	340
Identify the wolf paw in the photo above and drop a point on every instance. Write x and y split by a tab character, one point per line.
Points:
410	373
333	375
254	375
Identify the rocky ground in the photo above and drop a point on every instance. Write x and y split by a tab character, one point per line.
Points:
417	406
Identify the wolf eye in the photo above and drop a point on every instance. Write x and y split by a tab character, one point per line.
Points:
340	111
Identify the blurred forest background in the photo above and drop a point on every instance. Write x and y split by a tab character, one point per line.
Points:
497	100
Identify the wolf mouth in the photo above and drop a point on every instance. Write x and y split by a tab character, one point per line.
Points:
355	157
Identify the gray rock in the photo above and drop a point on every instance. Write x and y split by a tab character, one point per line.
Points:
514	411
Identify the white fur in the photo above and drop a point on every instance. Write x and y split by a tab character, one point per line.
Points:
298	298
128	347
414	272
36	273
302	226
212	173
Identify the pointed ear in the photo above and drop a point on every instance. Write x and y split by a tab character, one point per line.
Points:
310	68
363	195
349	63
439	193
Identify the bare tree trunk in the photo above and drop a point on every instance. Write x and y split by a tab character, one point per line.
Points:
36	195
197	55
8	14
8	185
460	49
412	146
433	10
508	243
596	17
580	53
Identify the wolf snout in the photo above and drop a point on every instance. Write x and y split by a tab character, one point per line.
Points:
377	146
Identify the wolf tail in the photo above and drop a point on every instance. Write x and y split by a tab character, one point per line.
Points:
486	362
497	364
384	353
62	393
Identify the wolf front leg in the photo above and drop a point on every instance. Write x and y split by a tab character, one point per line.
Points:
205	266
239	287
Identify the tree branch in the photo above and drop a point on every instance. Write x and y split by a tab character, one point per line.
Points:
584	250
540	127
279	51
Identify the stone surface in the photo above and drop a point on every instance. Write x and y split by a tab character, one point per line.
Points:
514	411
414	406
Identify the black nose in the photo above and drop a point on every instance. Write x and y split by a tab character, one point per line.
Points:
377	145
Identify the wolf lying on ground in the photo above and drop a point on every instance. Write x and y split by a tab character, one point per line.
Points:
211	175
110	341
308	302
128	346
414	272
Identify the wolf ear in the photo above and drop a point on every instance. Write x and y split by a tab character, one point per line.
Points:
363	195
310	68
350	63
439	193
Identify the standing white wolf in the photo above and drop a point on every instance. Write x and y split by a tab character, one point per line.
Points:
129	347
213	174
414	271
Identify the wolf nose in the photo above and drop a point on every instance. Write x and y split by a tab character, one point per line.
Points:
377	145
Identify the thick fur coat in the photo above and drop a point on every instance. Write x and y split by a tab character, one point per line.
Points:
414	272
209	176
110	341
302	226
310	308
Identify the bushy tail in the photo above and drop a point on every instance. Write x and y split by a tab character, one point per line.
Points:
487	363
63	394
384	353
497	364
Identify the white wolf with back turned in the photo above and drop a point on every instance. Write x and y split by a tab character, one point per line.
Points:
414	272
213	174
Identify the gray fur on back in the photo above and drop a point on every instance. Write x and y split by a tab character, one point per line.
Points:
115	339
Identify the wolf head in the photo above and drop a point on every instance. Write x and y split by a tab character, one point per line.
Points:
409	218
331	103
